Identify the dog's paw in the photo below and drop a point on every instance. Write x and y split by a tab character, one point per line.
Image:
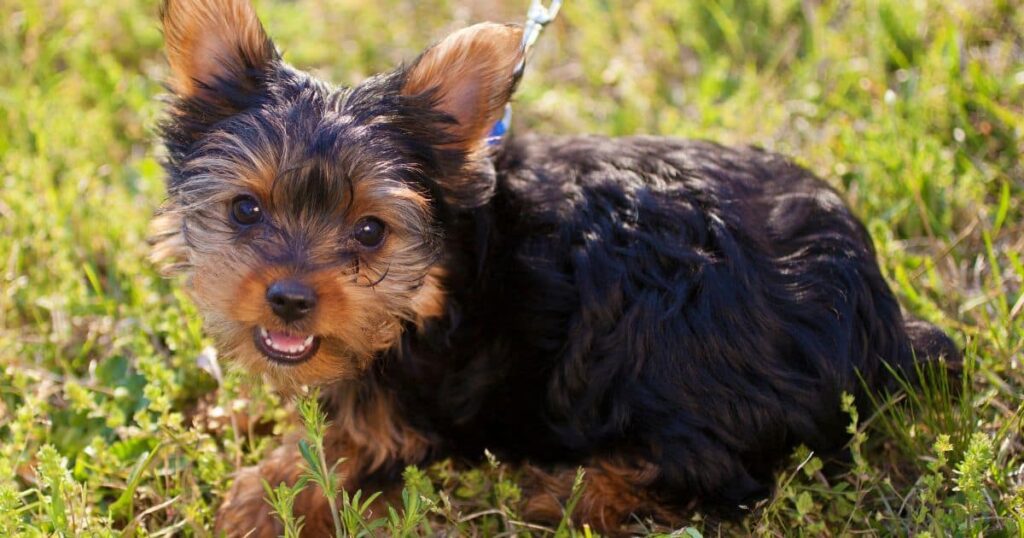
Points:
245	511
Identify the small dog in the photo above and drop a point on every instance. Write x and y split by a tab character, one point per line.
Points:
673	316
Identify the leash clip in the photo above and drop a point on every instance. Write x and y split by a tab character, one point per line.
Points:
537	17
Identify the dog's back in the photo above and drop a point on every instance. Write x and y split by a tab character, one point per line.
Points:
698	307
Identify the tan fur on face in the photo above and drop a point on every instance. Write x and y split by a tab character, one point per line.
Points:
472	72
354	320
390	201
362	303
250	169
234	304
207	39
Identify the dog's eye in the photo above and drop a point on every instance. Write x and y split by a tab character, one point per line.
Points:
246	211
369	231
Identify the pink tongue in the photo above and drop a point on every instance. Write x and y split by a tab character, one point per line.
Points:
281	339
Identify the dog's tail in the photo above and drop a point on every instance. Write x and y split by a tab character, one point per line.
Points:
932	347
930	343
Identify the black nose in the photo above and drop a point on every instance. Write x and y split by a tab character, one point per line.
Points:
291	300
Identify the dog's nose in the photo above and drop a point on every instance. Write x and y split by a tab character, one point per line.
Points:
291	300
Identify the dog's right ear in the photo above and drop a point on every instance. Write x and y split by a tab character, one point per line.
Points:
218	53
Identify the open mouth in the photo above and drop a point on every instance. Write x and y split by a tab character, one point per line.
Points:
284	347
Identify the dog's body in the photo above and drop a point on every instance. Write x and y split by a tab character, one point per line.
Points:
673	316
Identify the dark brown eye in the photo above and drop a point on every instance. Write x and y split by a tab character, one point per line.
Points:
369	231
246	211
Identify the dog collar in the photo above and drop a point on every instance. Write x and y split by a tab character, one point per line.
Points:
537	18
500	129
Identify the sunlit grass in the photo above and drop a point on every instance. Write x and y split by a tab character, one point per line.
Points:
115	417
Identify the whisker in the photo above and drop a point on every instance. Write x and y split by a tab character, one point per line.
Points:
381	279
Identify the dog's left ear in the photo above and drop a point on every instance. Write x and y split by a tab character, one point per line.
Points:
218	52
470	75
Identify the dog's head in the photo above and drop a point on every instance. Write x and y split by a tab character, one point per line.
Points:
309	219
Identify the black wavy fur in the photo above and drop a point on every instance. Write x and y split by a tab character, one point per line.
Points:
694	306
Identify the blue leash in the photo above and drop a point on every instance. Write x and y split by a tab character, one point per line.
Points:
537	18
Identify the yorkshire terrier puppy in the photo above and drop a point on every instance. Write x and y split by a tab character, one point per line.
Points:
674	316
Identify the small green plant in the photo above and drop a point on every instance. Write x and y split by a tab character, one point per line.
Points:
355	514
412	519
10	508
282	500
312	449
933	484
971	475
55	479
576	493
857	435
351	519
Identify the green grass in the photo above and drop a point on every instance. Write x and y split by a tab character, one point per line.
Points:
114	419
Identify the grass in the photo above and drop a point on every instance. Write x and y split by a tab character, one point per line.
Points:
116	418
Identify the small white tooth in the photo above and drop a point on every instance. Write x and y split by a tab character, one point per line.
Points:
309	340
263	332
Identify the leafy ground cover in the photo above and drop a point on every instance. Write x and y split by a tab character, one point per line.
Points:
116	418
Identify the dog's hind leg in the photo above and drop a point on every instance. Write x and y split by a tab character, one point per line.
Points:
611	494
933	349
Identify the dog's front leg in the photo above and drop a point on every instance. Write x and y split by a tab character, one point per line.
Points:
247	513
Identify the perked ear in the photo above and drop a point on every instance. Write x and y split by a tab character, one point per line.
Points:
471	73
217	49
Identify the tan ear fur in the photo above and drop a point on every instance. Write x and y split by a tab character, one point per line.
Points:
209	40
471	70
